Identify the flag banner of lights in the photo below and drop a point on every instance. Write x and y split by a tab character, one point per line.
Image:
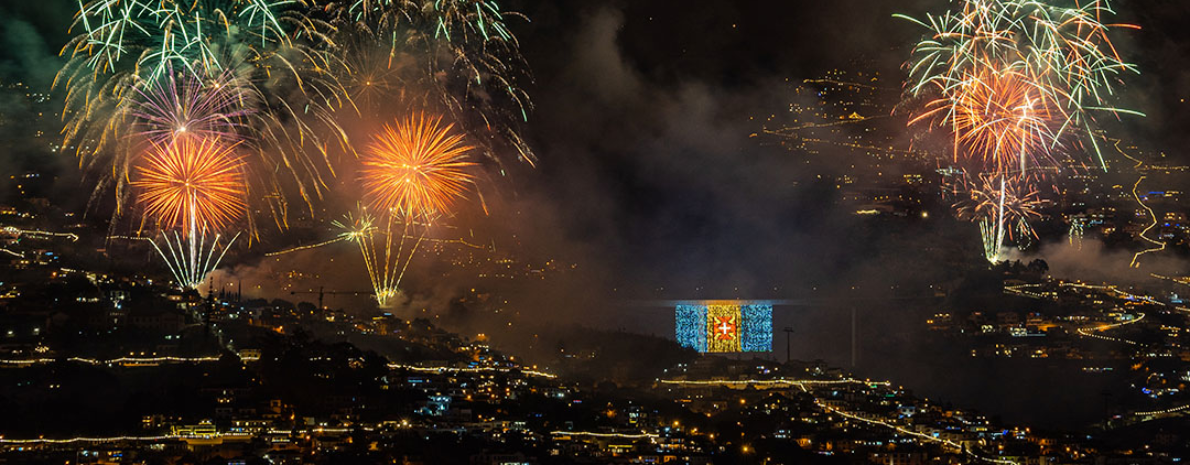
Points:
725	326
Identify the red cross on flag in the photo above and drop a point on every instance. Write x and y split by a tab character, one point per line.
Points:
723	328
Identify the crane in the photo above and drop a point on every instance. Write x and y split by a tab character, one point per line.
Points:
322	294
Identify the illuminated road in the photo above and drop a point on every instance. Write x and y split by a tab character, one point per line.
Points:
771	383
1029	290
1089	331
126	361
1162	412
1160	245
605	435
172	437
133	362
34	233
91	440
1023	290
1095	331
421	369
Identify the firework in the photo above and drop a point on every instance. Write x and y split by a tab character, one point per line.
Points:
374	77
413	173
457	57
416	168
191	189
1074	235
388	245
1064	54
142	70
1018	83
387	249
191	183
1000	120
1002	206
181	104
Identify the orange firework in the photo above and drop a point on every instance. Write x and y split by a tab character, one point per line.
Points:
416	168
999	117
192	183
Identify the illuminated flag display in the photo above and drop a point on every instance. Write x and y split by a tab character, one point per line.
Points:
725	326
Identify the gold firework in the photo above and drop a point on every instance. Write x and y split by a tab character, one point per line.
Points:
416	168
191	183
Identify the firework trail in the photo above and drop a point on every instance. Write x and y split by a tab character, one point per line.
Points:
190	190
1003	206
387	245
340	238
350	234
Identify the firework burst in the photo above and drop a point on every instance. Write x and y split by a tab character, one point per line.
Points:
1003	207
1018	83
416	168
180	104
457	57
1064	54
190	183
191	190
999	119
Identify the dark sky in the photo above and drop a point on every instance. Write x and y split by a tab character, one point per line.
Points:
647	175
